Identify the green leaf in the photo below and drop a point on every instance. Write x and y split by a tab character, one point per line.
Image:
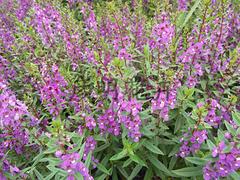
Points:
189	92
147	132
51	150
78	176
190	13
37	158
119	155
196	160
88	160
159	165
174	151
123	172
210	144
102	147
189	171
81	151
56	170
138	160
172	162
103	169
152	147
127	162
230	128
236	118
178	124
203	84
235	175
102	177
37	173
135	172
180	19
114	174
75	117
50	176
52	160
147	59
148	174
118	63
220	135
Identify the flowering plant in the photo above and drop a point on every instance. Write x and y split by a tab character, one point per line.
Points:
119	89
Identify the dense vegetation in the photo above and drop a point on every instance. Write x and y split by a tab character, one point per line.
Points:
140	89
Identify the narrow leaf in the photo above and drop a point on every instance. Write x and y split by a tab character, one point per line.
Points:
88	160
196	160
118	156
189	171
230	128
148	174
236	118
135	172
138	160
102	168
194	7
152	148
159	165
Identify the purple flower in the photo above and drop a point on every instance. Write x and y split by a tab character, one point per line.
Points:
184	150
90	122
90	145
191	81
132	121
162	35
107	122
24	6
90	20
192	142
159	101
182	5
199	136
228	135
124	55
72	164
226	162
53	91
212	118
48	24
13	114
2	177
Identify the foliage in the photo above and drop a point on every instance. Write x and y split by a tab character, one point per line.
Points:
119	89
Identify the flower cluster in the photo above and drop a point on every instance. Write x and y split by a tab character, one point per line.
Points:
124	55
24	6
132	121
107	122
6	28
212	118
7	167
52	92
72	164
90	145
124	79
193	142
12	111
182	5
162	34
164	101
160	103
6	69
47	23
124	112
90	20
226	163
